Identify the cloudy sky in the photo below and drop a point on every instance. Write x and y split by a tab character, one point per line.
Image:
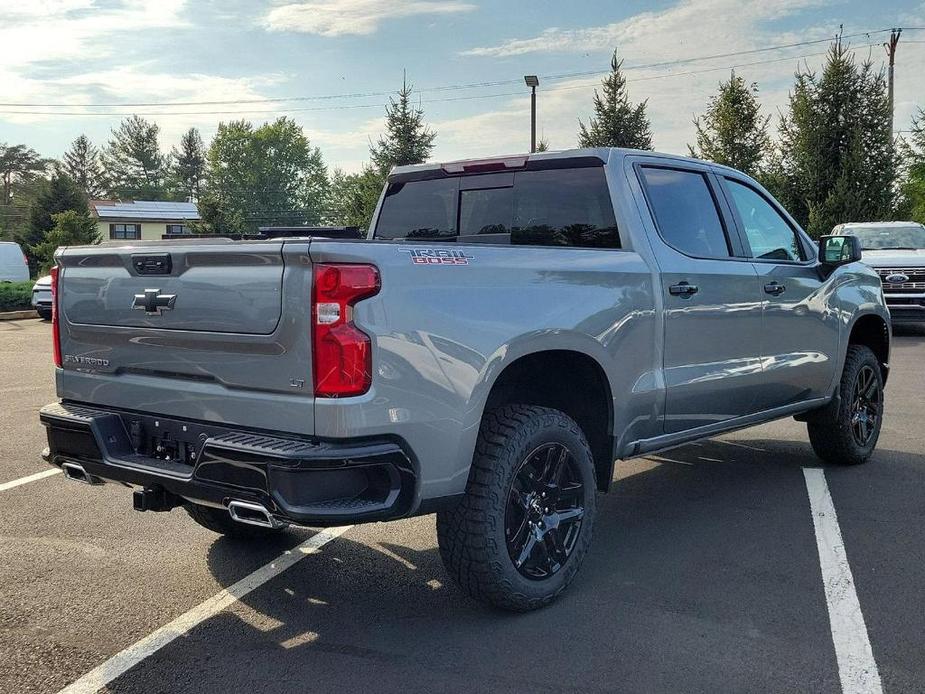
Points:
76	66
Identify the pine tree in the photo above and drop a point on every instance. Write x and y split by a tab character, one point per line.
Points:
188	164
134	164
60	194
616	121
837	160
407	140
542	145
912	187
733	131
82	163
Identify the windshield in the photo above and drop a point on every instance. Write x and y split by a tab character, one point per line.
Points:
889	237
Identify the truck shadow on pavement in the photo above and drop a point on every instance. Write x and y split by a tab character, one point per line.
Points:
703	576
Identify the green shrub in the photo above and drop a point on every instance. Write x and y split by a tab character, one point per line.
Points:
15	296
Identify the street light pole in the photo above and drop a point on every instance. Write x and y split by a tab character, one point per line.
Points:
532	81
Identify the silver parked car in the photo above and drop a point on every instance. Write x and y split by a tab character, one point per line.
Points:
896	250
41	297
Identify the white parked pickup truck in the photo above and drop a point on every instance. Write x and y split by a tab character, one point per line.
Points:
896	250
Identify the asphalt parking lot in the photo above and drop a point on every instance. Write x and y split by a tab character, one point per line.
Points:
704	576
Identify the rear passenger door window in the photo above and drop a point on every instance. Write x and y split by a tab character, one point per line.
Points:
686	212
770	235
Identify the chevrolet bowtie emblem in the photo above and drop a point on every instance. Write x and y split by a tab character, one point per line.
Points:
152	302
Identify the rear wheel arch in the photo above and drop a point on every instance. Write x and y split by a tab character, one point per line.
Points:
572	382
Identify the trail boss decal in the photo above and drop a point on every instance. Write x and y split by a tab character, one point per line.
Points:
437	256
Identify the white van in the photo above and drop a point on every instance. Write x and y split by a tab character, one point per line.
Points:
13	265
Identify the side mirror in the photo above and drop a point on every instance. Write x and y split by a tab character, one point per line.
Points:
839	250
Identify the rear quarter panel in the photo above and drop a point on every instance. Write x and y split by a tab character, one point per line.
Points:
443	334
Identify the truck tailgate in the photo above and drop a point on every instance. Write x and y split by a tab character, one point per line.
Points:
220	288
212	331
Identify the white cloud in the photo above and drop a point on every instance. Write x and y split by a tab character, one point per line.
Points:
71	32
359	17
689	23
75	29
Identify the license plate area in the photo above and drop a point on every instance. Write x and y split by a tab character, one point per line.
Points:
166	440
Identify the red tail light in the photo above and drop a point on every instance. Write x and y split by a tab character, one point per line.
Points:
341	352
55	329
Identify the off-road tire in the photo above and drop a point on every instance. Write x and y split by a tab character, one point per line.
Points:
830	429
471	535
218	520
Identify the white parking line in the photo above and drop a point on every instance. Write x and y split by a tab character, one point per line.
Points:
857	669
125	660
31	478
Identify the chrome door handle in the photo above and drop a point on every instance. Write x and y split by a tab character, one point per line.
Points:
774	288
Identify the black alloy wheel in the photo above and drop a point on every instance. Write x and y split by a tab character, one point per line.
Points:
544	511
866	405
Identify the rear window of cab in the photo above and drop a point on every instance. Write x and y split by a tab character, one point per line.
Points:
548	207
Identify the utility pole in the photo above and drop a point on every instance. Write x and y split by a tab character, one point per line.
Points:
532	81
891	52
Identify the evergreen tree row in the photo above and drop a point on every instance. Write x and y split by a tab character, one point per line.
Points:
834	159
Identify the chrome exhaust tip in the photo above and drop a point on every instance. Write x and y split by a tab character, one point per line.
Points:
252	514
76	472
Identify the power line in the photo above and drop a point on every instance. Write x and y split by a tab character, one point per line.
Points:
450	87
345	107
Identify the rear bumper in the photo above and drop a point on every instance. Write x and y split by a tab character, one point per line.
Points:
299	481
41	299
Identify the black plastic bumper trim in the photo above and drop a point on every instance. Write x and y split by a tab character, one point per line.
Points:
300	481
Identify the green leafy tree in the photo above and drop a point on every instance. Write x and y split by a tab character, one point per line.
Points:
188	166
354	196
269	175
407	139
616	122
836	160
83	164
912	187
60	194
71	228
14	218
135	167
732	131
18	163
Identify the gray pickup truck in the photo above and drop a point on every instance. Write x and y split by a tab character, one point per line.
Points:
508	329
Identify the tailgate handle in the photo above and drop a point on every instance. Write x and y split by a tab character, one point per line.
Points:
152	263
